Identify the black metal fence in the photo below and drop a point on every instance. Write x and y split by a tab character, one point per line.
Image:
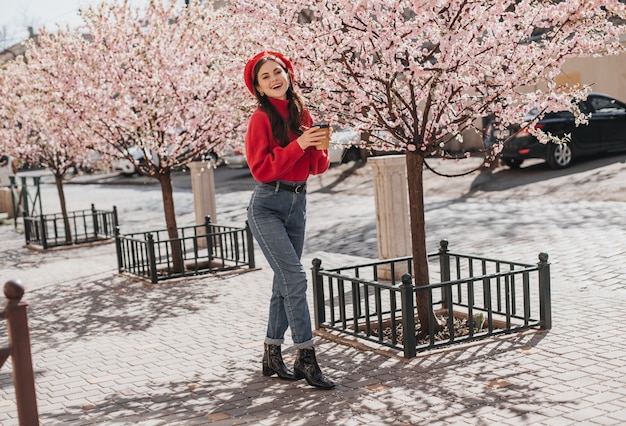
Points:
85	226
206	248
476	298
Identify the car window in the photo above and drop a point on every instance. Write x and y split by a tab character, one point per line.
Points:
604	105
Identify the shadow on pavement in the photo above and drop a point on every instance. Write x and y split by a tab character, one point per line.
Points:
111	305
370	385
506	178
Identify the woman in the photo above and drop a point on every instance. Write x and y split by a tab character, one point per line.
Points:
281	152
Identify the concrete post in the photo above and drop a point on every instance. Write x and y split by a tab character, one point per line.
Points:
6	203
393	229
203	189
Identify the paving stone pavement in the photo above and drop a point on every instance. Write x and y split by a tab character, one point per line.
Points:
109	349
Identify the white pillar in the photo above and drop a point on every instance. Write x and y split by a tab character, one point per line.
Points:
6	203
393	230
203	189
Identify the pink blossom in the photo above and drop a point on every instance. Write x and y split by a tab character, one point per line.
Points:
163	79
463	60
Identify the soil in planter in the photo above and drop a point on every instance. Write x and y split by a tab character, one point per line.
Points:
200	267
461	328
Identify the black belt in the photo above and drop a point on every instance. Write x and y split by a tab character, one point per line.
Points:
291	187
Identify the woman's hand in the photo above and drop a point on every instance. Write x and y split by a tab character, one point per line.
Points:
312	137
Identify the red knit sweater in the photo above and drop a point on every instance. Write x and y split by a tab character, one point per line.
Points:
268	161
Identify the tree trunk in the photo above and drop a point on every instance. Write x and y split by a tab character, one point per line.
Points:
58	180
415	180
165	179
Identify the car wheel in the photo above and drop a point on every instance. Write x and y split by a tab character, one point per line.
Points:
215	159
513	163
351	154
559	155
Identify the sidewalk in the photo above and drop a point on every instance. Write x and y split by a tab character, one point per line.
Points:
113	350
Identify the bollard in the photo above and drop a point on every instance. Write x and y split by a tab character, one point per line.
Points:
21	358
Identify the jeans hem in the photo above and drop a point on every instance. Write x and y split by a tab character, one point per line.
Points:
276	342
305	345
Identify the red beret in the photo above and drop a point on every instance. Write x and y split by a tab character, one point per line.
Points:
249	70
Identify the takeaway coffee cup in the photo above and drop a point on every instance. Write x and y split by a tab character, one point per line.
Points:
323	127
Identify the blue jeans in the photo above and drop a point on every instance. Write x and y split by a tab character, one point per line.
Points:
277	219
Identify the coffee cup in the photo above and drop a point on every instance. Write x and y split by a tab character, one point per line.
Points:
323	127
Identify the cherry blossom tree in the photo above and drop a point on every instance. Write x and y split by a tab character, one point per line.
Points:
157	80
417	74
160	79
37	127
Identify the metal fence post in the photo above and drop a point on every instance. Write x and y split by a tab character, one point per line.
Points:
152	258
14	199
21	358
23	199
545	298
209	238
27	230
444	266
115	221
408	316
118	249
250	245
94	215
44	234
318	294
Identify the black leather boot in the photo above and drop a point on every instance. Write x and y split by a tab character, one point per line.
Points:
273	363
306	367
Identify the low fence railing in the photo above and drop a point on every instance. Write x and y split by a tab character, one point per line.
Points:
477	297
206	248
19	350
85	226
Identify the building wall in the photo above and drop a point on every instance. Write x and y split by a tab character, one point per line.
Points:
605	74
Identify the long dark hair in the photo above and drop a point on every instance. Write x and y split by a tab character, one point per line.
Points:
280	126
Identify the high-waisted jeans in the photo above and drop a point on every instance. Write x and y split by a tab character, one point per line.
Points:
277	220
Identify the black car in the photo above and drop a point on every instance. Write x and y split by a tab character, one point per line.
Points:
605	132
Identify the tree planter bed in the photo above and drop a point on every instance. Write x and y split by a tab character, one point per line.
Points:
476	298
460	328
83	226
204	249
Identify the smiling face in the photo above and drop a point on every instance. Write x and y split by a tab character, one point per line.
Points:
272	80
